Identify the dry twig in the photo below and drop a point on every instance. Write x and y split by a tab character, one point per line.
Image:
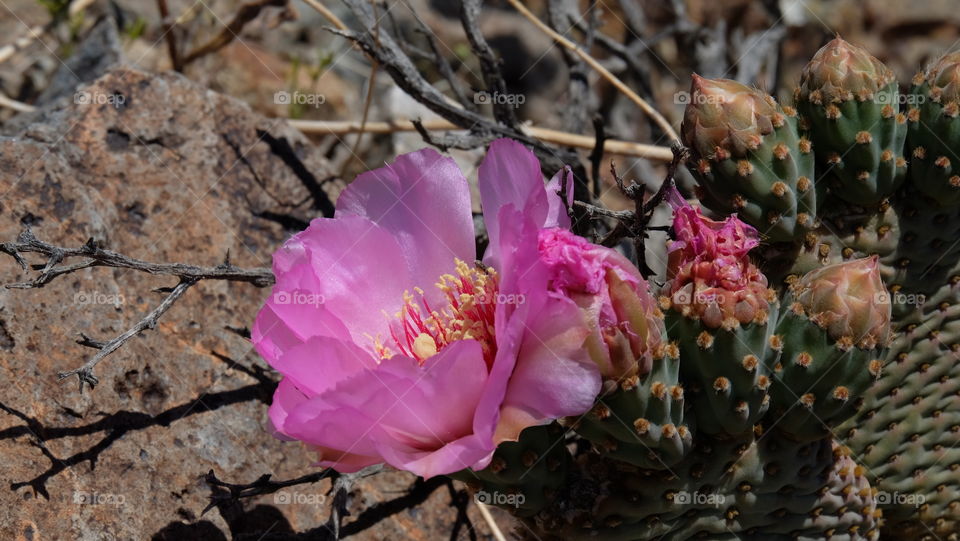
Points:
93	255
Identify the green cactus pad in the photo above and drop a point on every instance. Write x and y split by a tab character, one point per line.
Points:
727	372
818	385
763	488
524	475
641	422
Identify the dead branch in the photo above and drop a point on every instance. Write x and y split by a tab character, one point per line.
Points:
93	255
96	256
85	372
244	15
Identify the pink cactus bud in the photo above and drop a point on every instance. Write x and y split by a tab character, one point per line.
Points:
726	119
710	275
849	300
841	72
626	325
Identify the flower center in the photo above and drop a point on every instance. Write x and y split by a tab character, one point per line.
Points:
419	330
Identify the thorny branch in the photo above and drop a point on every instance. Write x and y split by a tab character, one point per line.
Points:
97	256
85	372
633	224
94	255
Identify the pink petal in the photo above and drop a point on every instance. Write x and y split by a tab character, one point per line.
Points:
433	403
321	363
510	175
405	413
556	211
355	272
467	452
337	432
423	200
554	377
285	398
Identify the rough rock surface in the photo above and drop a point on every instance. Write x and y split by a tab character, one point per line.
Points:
163	170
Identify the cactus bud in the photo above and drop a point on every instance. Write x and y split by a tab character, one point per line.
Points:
833	337
850	102
934	130
849	300
749	157
719	309
841	71
726	116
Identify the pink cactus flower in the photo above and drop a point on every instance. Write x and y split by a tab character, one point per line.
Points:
396	347
710	274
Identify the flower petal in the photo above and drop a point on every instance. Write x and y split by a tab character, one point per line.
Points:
321	363
510	175
338	275
423	199
554	377
556	211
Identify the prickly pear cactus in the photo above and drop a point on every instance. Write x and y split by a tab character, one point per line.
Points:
807	385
